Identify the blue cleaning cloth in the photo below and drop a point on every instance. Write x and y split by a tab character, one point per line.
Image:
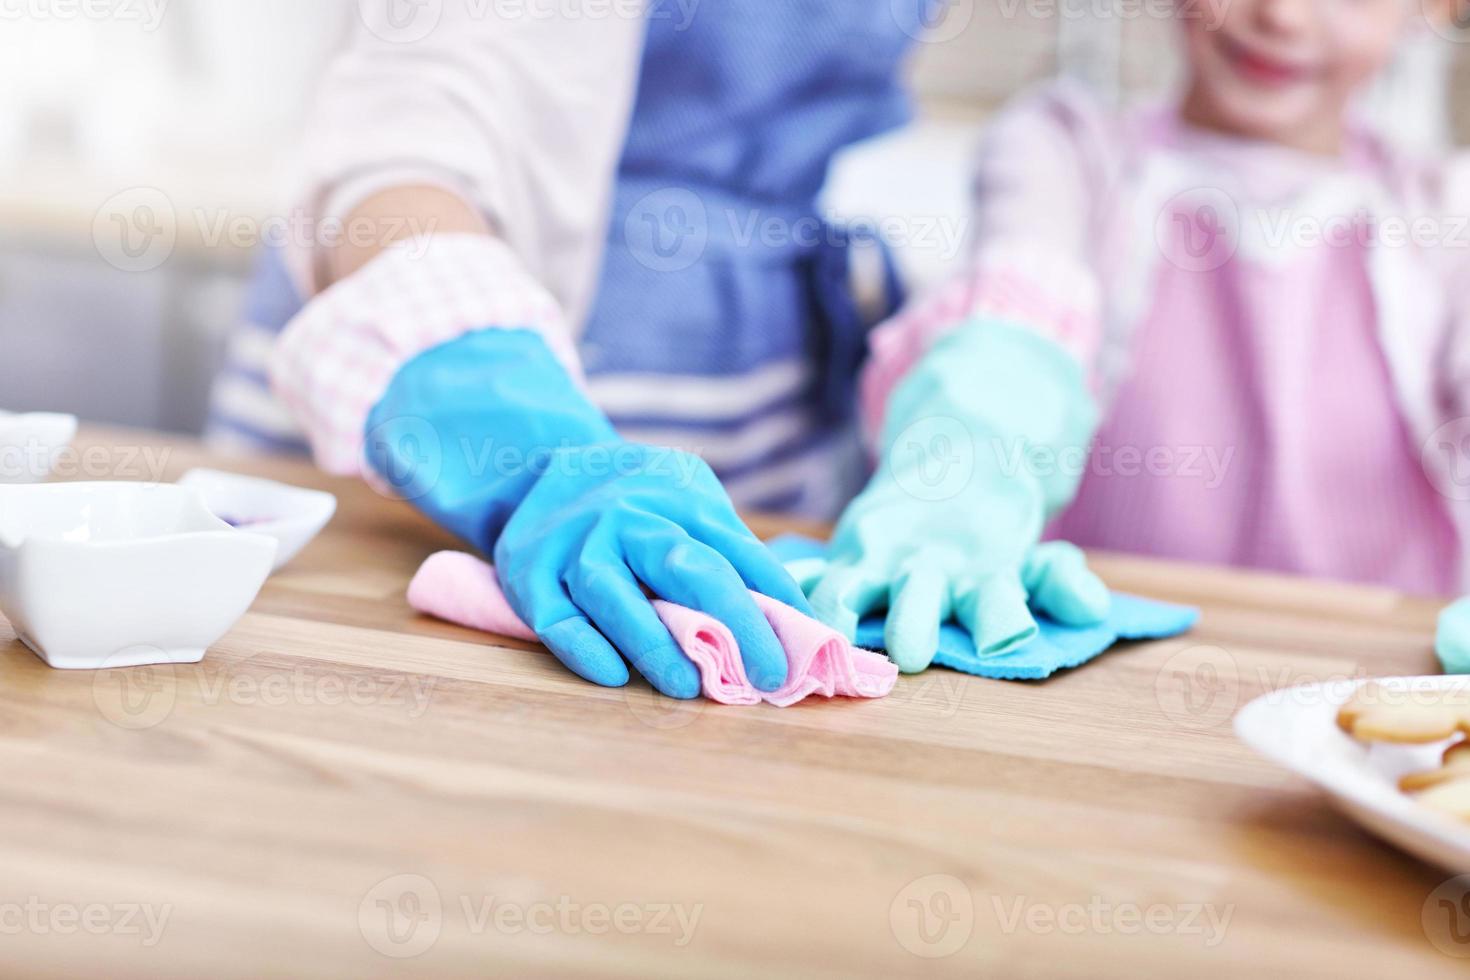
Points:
1055	648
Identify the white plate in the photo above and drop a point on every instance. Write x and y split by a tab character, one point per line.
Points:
1297	728
121	574
31	444
291	515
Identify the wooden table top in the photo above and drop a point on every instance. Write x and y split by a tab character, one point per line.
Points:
343	788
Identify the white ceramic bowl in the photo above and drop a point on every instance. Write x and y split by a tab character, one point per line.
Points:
31	444
1297	728
120	574
291	515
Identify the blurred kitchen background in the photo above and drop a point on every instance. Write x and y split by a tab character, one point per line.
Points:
171	122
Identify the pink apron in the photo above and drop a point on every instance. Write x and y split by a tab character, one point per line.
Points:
1258	425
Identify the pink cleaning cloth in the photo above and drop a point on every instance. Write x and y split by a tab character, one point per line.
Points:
463	589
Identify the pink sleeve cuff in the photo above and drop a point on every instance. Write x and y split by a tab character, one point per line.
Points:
1053	296
336	358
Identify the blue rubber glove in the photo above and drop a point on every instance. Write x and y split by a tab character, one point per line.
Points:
948	526
489	437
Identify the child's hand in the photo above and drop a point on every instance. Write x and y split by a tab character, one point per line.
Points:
970	558
949	525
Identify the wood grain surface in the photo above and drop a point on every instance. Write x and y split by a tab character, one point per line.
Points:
345	789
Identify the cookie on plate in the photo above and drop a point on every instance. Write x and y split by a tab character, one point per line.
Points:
1375	713
1451	798
1454	765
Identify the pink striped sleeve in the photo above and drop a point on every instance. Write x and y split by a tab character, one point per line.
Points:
1042	167
337	357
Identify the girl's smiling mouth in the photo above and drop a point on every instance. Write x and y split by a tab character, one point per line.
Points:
1263	69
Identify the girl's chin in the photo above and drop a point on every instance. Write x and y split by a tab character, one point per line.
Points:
1277	118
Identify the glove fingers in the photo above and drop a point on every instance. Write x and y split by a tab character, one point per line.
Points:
921	603
607	593
543	603
845	595
994	611
1063	587
584	651
1040	563
692	574
754	562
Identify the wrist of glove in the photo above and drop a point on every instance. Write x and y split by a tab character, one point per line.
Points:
337	357
491	439
950	523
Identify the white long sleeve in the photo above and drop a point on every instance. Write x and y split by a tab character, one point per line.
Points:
523	112
524	116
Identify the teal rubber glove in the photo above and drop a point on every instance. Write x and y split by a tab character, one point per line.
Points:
1452	639
968	475
489	437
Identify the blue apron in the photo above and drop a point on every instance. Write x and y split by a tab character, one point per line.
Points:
721	278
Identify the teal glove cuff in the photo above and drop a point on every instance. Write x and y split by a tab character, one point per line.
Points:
1020	398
